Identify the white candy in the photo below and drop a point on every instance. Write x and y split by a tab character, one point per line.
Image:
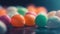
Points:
3	28
51	13
58	13
12	11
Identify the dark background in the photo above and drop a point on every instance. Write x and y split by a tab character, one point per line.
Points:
49	4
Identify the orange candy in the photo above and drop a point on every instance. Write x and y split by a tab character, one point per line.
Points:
2	11
17	21
29	20
31	7
41	9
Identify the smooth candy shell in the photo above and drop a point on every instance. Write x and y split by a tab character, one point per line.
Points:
2	11
3	28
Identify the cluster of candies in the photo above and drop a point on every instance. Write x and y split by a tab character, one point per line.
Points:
18	16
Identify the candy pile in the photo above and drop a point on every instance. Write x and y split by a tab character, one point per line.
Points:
15	18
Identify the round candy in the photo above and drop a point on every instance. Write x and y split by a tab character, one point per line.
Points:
32	13
29	20
17	21
2	11
6	19
22	10
53	22
58	13
41	20
52	13
31	8
41	9
11	11
3	28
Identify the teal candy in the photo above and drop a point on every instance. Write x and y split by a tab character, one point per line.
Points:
21	10
53	22
41	20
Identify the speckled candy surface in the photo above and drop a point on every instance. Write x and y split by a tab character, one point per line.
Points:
53	22
41	20
17	21
6	19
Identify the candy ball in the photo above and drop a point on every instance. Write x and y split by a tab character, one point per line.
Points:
53	22
52	13
11	11
31	8
6	19
3	28
41	20
2	11
58	13
22	10
32	13
30	19
41	9
17	21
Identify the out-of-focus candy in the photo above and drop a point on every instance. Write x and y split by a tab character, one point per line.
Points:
6	19
31	8
41	10
58	13
52	13
11	11
3	28
2	11
22	10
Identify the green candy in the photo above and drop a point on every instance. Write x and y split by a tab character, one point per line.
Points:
41	20
22	10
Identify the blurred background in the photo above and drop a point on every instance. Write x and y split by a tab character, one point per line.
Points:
49	4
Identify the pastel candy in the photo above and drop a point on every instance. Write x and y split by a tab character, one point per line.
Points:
58	13
53	22
52	13
11	11
22	10
3	28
